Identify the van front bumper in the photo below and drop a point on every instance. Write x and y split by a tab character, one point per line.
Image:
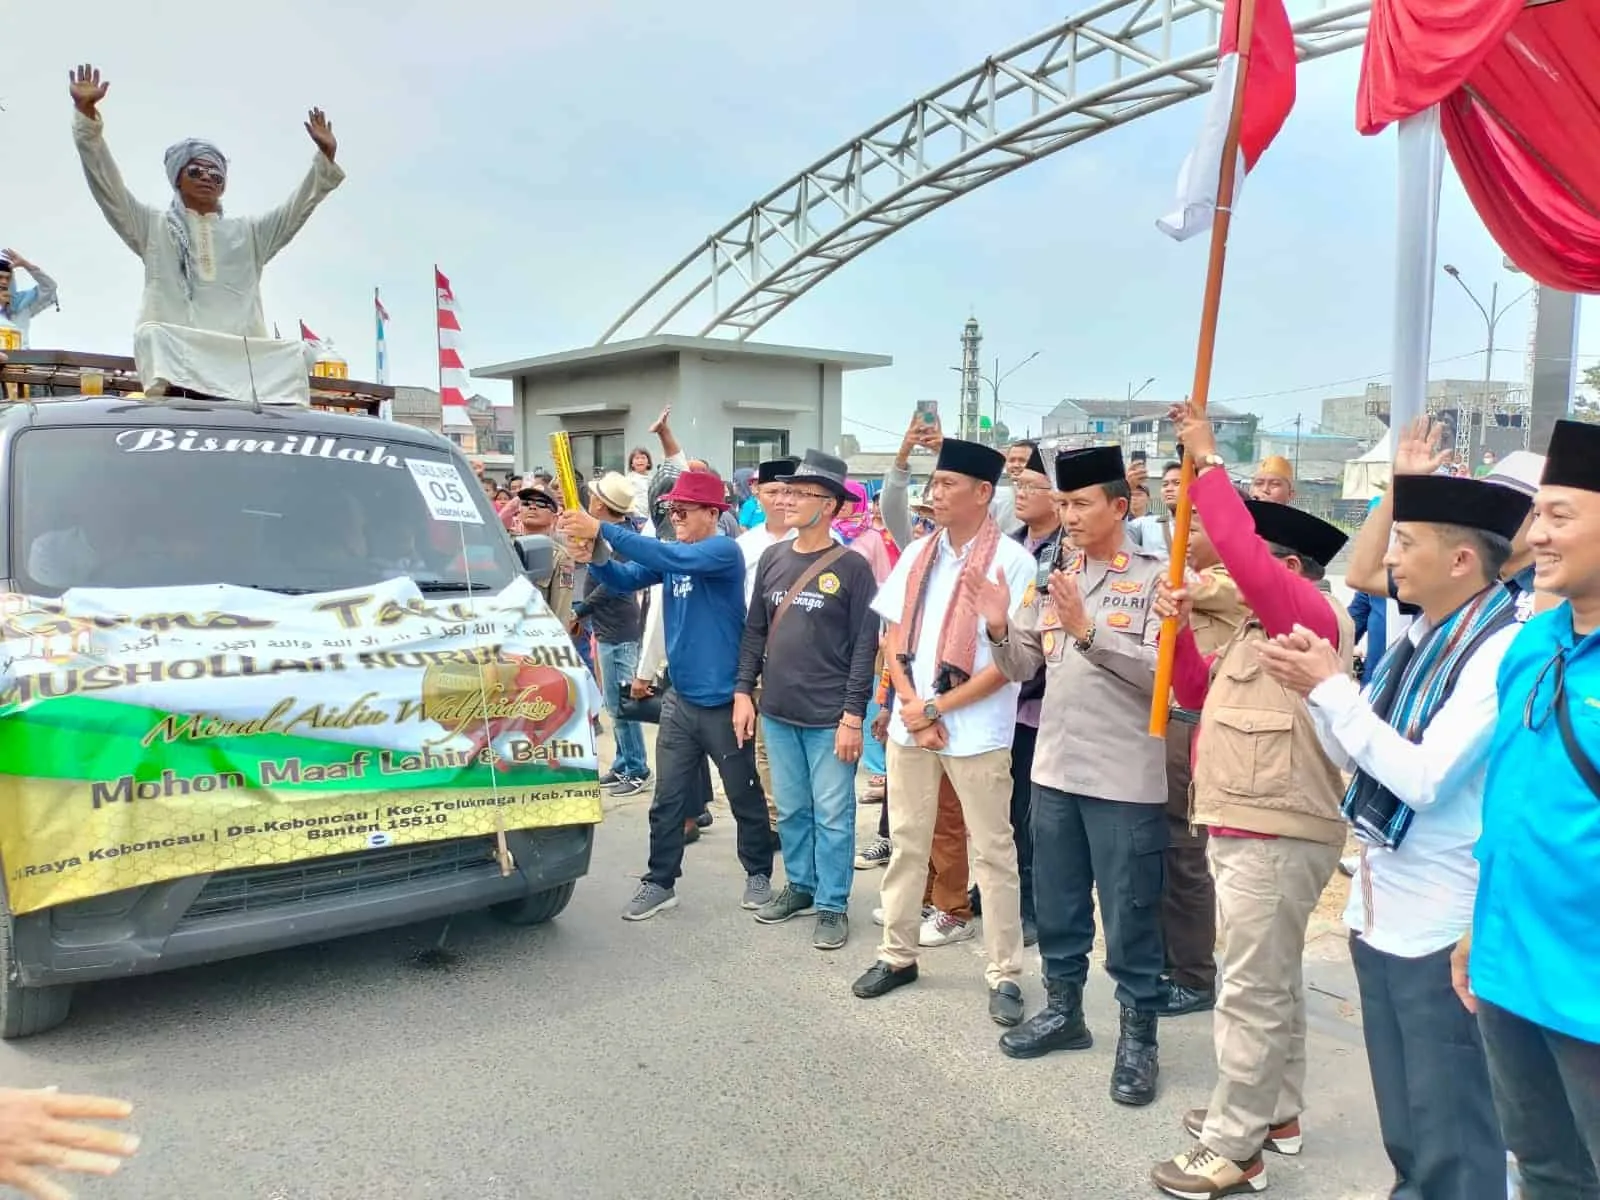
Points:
207	918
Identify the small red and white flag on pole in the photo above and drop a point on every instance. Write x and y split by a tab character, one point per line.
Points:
1268	97
307	336
453	382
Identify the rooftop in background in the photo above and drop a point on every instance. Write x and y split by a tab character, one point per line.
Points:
1117	409
60	373
666	345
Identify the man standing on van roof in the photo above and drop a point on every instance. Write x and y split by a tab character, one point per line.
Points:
202	270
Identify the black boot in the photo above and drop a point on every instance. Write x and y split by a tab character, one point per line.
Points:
1057	1026
1133	1077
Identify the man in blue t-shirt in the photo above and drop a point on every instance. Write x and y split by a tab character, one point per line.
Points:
703	614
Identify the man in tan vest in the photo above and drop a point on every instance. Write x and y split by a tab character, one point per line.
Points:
1271	800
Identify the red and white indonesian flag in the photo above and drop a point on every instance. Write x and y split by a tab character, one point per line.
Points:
453	382
1268	96
307	336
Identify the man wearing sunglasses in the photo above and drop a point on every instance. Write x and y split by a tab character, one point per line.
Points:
703	608
1529	966
202	270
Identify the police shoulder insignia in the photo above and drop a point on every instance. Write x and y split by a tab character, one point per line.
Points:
1119	561
1119	620
1030	594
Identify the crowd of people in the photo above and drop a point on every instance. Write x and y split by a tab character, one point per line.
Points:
995	636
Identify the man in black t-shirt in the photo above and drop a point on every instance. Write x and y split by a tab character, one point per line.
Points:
811	638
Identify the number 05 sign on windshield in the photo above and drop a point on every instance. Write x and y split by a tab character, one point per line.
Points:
444	491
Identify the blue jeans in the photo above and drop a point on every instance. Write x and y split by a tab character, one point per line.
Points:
816	801
873	751
618	661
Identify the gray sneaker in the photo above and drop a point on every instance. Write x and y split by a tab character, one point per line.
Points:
757	892
791	902
833	931
650	899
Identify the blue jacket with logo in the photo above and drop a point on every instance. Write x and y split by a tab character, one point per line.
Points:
1536	928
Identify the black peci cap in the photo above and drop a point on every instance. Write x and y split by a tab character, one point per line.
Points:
773	469
1035	459
1092	467
1573	460
1452	500
1294	529
983	463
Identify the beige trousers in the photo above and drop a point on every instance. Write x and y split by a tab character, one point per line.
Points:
983	785
1266	891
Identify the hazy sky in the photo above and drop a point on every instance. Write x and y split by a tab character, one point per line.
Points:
556	161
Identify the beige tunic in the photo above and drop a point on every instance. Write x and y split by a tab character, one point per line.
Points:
1094	722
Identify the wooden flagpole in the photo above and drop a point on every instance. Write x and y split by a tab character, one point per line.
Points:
1200	392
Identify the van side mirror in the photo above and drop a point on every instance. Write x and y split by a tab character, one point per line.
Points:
538	556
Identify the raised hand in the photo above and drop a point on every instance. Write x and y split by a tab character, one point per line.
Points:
87	90
1418	452
660	422
321	131
992	599
1192	427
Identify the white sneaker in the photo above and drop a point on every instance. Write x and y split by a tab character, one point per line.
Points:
941	929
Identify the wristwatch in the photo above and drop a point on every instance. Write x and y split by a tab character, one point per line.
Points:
930	710
1212	460
1085	642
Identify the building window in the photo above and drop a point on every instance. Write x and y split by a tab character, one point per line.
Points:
752	447
599	451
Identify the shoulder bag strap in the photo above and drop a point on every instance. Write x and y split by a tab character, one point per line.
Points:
800	584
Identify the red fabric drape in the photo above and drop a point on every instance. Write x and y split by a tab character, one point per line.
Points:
1524	135
1420	51
1526	209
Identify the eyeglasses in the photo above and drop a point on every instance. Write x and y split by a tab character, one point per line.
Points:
1556	668
202	171
681	512
797	494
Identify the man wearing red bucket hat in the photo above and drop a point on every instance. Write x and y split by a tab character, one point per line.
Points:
703	609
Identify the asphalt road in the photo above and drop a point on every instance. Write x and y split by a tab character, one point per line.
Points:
693	1055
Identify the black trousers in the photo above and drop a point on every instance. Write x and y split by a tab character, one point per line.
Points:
1079	842
687	736
1547	1092
1189	898
1430	1078
1023	743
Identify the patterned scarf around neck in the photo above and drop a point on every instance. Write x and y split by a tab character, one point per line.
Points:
179	156
1409	687
958	635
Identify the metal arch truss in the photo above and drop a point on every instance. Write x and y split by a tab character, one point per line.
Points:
1107	66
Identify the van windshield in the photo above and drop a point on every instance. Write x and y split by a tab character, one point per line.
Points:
102	506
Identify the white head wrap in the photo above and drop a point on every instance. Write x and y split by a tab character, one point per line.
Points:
179	156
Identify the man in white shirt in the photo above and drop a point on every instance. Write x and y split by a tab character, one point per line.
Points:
202	270
1418	740
954	719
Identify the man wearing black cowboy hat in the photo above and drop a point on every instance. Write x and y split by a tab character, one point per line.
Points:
1272	801
811	638
1418	741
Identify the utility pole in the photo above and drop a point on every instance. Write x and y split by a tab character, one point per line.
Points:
1297	420
1467	421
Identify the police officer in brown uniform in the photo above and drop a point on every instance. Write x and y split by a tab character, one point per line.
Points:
1099	779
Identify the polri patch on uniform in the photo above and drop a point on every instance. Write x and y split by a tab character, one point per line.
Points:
1030	595
1119	620
1119	561
1127	587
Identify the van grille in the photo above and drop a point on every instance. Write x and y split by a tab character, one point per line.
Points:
256	888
